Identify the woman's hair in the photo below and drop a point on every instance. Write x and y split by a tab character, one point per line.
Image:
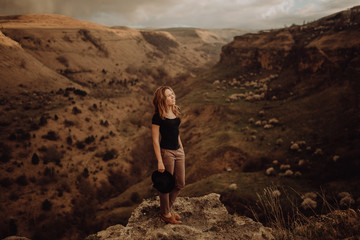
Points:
159	102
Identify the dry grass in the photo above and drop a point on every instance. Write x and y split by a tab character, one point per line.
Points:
295	223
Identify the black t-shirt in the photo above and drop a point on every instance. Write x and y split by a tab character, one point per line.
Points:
169	130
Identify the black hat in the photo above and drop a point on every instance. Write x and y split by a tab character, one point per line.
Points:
164	182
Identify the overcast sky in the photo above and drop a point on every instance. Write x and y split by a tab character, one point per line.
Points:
244	14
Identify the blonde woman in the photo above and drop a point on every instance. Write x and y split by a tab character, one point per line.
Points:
169	150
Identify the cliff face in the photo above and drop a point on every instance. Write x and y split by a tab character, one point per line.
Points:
255	51
329	45
203	218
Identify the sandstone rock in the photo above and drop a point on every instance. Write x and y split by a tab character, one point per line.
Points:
203	218
279	141
233	187
270	171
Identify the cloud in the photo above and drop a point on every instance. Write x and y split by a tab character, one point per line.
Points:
169	13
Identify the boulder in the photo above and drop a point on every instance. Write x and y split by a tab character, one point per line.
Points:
202	218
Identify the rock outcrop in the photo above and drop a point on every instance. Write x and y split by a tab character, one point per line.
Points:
328	42
306	57
203	218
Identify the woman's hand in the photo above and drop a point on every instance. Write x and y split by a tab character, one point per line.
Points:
161	167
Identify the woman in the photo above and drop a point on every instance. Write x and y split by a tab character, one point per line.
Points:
169	151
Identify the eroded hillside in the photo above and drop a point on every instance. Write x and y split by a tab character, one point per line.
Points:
75	104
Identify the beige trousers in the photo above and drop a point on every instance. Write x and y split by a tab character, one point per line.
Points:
174	162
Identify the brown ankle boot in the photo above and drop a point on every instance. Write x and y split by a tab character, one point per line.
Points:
170	220
177	217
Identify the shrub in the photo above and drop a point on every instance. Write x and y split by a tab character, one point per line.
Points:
6	182
90	139
46	205
51	135
80	145
80	92
68	123
69	140
43	121
85	173
75	110
5	153
109	154
35	159
104	123
22	180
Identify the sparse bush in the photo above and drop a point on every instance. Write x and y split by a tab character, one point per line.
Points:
22	180
104	123
90	139
109	154
69	140
60	192
46	205
35	159
80	145
76	111
51	135
85	173
6	182
42	121
68	123
80	92
5	153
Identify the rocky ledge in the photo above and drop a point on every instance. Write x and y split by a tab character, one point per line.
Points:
203	218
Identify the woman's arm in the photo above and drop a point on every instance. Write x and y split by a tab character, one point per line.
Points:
180	143
156	144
